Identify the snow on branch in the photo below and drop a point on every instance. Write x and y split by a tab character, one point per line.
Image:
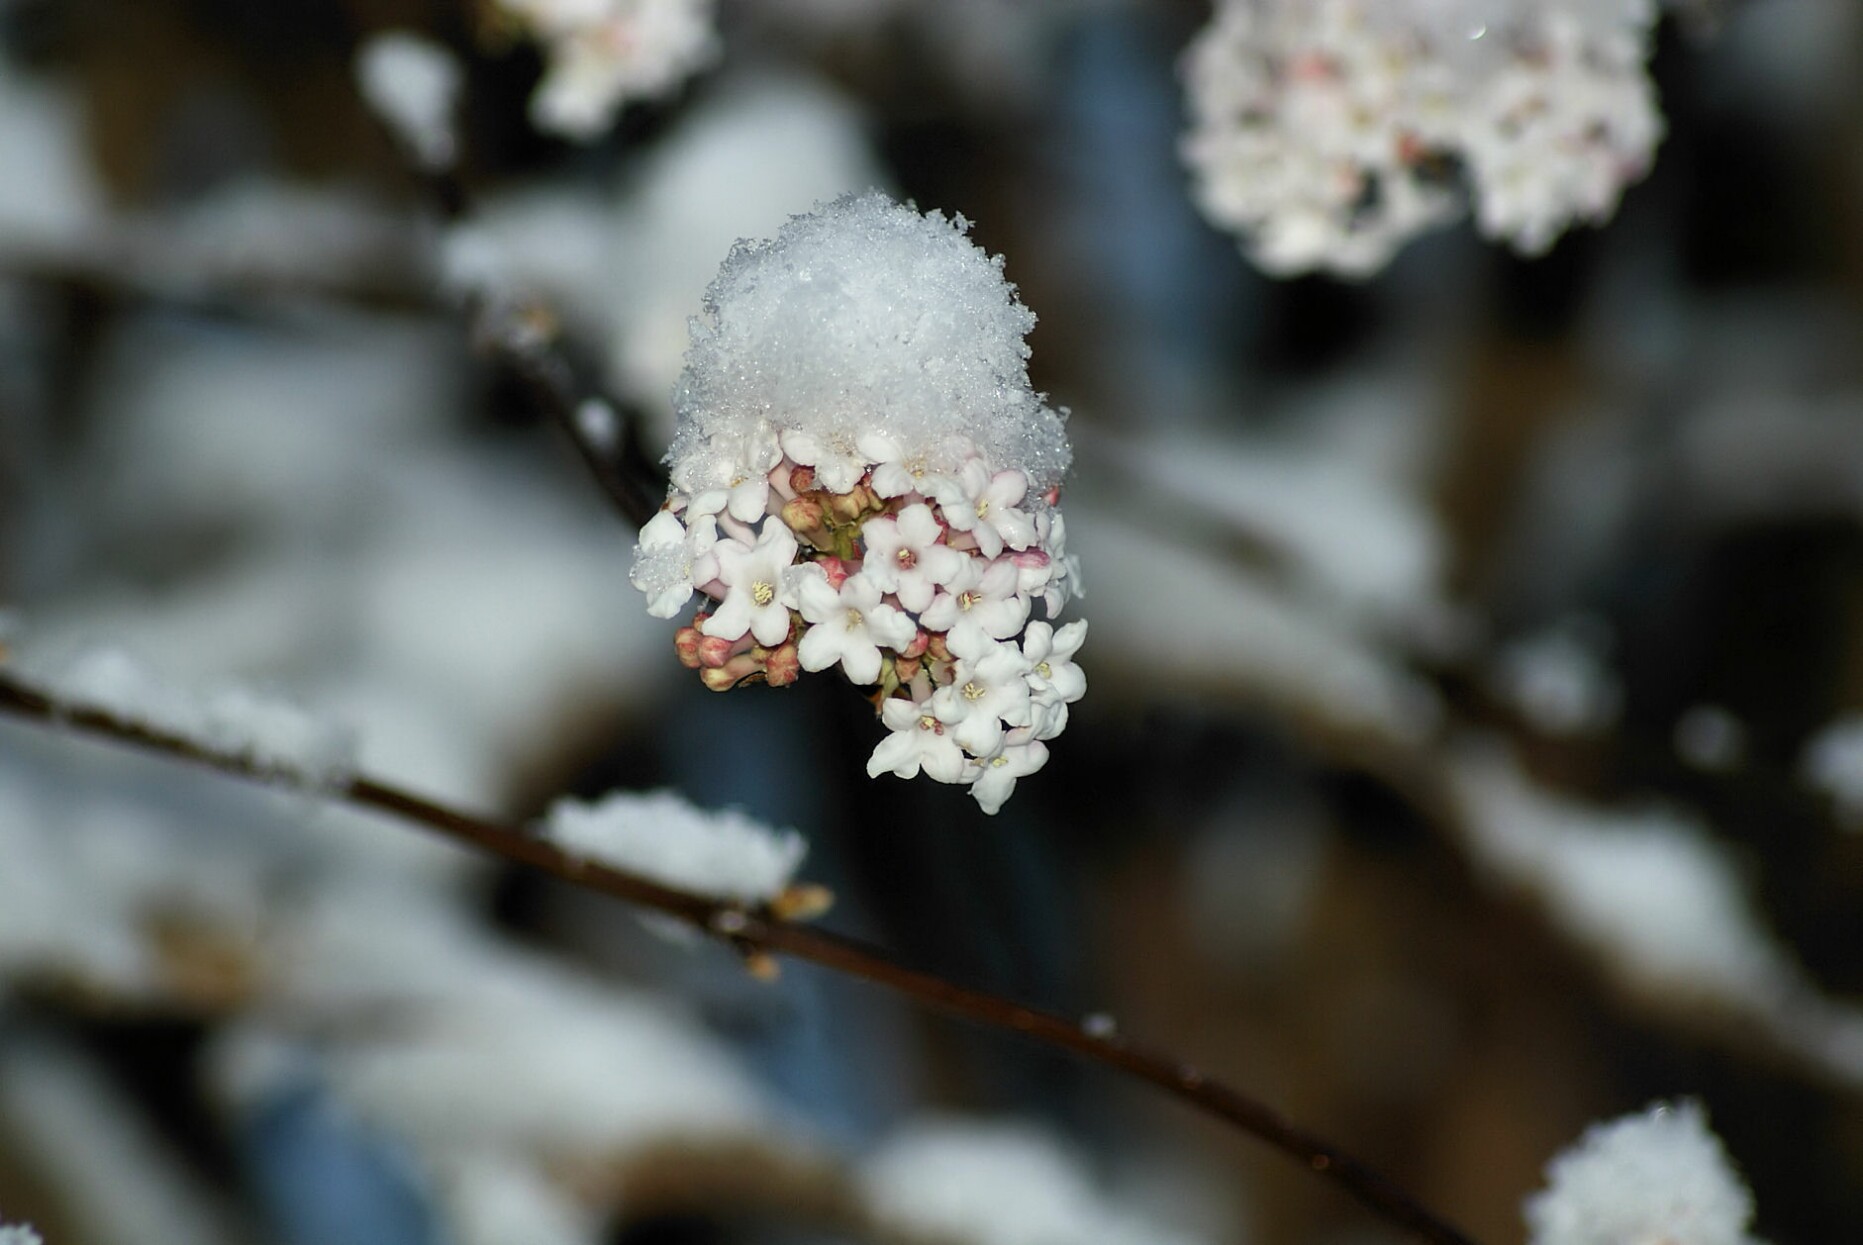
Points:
1658	1178
664	836
270	733
992	1183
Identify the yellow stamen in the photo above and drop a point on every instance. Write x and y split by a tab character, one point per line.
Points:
763	592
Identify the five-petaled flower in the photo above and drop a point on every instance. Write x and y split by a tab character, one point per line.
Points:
756	600
849	626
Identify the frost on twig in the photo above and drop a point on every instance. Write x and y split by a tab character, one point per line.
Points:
602	54
1661	906
663	836
268	732
413	86
995	1184
863	477
1330	132
1658	1178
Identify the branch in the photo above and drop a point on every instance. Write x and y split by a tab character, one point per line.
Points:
759	932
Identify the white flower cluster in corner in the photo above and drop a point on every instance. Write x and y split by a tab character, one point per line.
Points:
864	478
1659	1178
600	54
663	836
1330	132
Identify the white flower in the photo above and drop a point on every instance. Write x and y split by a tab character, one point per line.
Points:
896	474
837	468
849	626
986	692
996	777
733	474
671	558
919	740
981	600
1059	581
757	601
905	555
1055	682
983	504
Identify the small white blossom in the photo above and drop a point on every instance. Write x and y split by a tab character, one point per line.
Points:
906	555
837	469
849	626
983	504
981	600
671	559
919	740
1055	682
996	778
986	692
757	600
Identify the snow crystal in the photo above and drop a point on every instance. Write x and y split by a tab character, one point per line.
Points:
665	837
413	85
1659	1178
1833	763
862	318
995	1184
271	734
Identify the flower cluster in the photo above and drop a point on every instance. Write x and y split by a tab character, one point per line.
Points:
863	479
602	53
914	580
1329	132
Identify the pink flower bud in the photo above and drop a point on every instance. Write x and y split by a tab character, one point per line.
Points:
783	666
836	569
916	649
714	651
724	678
686	643
804	516
802	479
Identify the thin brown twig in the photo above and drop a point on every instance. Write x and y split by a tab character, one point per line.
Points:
759	932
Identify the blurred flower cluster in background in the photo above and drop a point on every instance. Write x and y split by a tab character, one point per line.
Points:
1468	514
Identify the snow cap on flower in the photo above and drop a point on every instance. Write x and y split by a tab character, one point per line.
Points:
863	321
1659	1178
